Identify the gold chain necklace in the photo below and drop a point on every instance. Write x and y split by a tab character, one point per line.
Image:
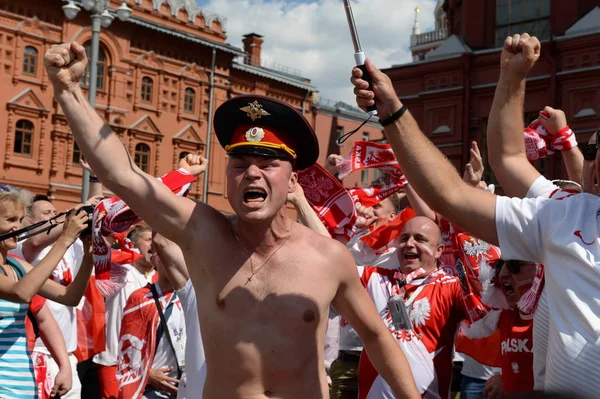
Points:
254	272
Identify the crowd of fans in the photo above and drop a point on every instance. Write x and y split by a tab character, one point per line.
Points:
423	285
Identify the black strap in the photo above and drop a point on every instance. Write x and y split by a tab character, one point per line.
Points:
165	327
346	136
393	117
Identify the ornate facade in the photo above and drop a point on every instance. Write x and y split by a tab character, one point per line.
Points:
154	86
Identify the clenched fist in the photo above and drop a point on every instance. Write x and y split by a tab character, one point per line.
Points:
553	120
333	162
519	55
194	164
65	64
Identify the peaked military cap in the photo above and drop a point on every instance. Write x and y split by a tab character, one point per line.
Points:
259	125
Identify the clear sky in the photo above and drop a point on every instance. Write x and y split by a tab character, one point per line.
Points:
313	37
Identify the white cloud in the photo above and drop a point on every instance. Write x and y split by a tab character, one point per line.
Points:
314	38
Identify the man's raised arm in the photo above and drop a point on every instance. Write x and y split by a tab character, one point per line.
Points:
506	145
103	150
432	176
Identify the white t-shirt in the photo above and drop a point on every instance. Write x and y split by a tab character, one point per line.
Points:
164	356
564	236
542	187
114	313
195	362
64	273
472	368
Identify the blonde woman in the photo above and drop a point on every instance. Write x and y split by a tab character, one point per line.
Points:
19	282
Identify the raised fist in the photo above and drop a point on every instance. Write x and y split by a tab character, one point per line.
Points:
295	195
194	164
553	120
519	55
365	217
333	162
65	64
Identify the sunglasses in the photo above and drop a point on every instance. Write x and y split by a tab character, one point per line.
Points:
589	152
513	266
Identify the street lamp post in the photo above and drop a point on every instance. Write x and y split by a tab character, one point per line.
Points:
102	17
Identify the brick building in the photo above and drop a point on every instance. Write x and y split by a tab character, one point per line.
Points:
450	83
154	86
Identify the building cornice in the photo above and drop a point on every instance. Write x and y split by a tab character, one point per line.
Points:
265	73
185	36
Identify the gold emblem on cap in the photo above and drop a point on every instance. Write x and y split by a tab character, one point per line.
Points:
255	111
255	134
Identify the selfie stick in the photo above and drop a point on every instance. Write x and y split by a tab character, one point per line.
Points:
359	55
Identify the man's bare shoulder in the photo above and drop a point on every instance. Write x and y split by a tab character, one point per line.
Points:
325	245
205	224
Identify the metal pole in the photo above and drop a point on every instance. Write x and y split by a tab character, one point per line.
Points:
94	49
209	124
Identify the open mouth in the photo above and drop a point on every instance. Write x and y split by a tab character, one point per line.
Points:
508	290
411	256
254	195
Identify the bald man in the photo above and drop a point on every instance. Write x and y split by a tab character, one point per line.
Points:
434	309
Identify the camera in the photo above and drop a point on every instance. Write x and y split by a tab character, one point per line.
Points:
89	209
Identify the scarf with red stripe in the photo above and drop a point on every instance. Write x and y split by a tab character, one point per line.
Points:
333	203
539	143
328	198
137	341
365	155
379	247
113	215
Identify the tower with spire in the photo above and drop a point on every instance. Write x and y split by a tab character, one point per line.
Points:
422	43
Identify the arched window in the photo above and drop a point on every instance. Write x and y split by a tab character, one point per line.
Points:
142	157
23	137
101	80
147	89
189	100
30	59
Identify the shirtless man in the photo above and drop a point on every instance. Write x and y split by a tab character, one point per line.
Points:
264	283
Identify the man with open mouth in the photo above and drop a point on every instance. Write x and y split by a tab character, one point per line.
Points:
514	278
264	283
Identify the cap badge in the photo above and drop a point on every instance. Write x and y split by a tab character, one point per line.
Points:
255	110
255	134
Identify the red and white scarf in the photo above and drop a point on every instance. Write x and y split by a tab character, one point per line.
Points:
373	195
113	215
380	247
43	377
327	196
475	273
365	155
539	143
529	300
137	341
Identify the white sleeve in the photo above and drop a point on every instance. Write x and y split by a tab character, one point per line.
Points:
541	187
77	255
520	224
